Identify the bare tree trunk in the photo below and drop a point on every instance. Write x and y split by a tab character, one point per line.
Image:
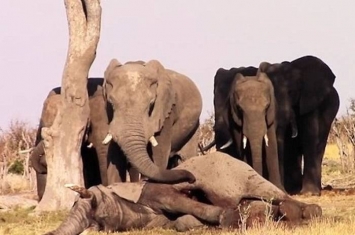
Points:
63	139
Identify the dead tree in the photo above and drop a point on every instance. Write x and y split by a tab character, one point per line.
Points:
63	139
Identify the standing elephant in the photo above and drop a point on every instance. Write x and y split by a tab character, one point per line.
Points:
304	88
245	111
307	104
155	115
93	152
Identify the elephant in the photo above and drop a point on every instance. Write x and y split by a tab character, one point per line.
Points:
245	111
216	198
155	116
94	153
304	88
307	104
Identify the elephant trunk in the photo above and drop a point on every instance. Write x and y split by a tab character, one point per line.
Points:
131	138
255	130
102	152
36	160
77	220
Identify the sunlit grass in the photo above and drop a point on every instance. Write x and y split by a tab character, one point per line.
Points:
338	213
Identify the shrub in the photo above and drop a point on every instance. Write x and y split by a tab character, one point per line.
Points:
19	136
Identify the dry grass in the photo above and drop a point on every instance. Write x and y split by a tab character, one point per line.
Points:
338	214
338	208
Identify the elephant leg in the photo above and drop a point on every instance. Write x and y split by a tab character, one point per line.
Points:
41	184
236	148
293	165
117	164
91	169
316	127
311	183
134	174
186	222
190	148
166	198
181	224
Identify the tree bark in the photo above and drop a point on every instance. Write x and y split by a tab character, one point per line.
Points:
63	139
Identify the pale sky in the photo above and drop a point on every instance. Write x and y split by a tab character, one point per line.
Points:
192	37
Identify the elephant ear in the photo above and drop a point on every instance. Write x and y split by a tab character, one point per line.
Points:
317	82
264	67
112	65
271	111
222	85
166	96
236	114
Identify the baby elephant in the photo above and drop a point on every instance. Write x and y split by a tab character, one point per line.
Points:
224	186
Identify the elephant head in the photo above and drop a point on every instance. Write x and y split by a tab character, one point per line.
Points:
252	103
142	97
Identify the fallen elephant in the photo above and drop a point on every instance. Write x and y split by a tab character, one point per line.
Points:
223	186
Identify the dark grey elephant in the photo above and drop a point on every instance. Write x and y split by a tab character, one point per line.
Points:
219	197
307	104
155	116
94	153
304	88
245	112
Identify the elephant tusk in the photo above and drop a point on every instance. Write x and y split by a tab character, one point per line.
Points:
90	145
153	141
25	151
294	133
83	192
245	140
107	139
266	140
226	145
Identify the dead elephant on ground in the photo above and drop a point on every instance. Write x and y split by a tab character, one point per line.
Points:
223	186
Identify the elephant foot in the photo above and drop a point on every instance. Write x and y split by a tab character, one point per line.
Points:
311	211
310	191
258	212
230	219
290	211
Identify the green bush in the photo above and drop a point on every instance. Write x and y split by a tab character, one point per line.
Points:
16	167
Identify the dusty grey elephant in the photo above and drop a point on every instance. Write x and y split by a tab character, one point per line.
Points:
93	152
216	198
245	112
155	116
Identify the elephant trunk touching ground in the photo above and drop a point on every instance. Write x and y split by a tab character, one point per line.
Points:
131	138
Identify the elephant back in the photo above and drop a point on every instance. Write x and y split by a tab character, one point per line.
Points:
317	82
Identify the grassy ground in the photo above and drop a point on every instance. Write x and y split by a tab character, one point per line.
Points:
338	212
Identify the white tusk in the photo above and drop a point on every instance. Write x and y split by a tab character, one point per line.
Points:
266	140
90	145
245	140
153	141
70	185
25	151
226	145
83	192
107	139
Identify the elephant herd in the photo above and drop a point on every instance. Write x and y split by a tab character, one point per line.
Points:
144	119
